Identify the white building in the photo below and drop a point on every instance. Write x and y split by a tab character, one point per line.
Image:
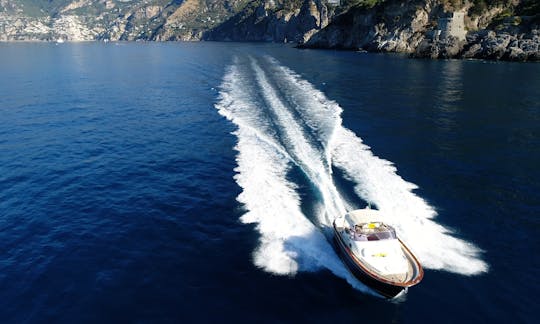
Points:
453	26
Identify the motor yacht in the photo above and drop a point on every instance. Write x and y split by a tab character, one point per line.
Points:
374	254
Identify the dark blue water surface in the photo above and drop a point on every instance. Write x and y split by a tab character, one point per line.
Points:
118	202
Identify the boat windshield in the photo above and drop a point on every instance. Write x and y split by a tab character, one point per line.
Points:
374	231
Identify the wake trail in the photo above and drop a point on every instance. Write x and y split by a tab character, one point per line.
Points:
284	122
289	242
307	156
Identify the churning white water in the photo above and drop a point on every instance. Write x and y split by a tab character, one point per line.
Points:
283	122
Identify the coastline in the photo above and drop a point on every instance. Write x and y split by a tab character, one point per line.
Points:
418	28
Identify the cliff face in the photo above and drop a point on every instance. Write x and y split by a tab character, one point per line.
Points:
274	20
162	20
83	20
394	26
432	28
507	42
492	29
191	18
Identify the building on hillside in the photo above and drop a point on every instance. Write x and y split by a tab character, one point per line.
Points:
334	2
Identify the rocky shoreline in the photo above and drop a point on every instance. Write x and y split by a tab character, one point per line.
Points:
429	32
420	28
486	44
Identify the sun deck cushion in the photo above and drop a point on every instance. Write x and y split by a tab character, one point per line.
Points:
386	256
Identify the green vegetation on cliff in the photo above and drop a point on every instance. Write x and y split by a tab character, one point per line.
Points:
488	28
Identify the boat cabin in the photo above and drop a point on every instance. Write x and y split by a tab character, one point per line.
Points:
374	254
366	226
374	231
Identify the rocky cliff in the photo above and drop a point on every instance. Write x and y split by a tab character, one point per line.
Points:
274	20
492	29
438	29
82	20
162	20
394	26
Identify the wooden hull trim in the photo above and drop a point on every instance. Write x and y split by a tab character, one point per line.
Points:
384	287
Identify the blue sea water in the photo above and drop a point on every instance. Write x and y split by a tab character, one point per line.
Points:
195	182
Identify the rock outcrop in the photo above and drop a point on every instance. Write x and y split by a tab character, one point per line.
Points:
488	29
163	20
394	26
192	18
428	28
84	20
275	21
514	43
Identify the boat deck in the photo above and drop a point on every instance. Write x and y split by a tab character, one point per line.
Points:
396	278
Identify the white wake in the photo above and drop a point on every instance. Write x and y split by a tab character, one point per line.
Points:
283	122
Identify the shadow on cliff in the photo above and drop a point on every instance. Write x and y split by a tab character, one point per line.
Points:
260	22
